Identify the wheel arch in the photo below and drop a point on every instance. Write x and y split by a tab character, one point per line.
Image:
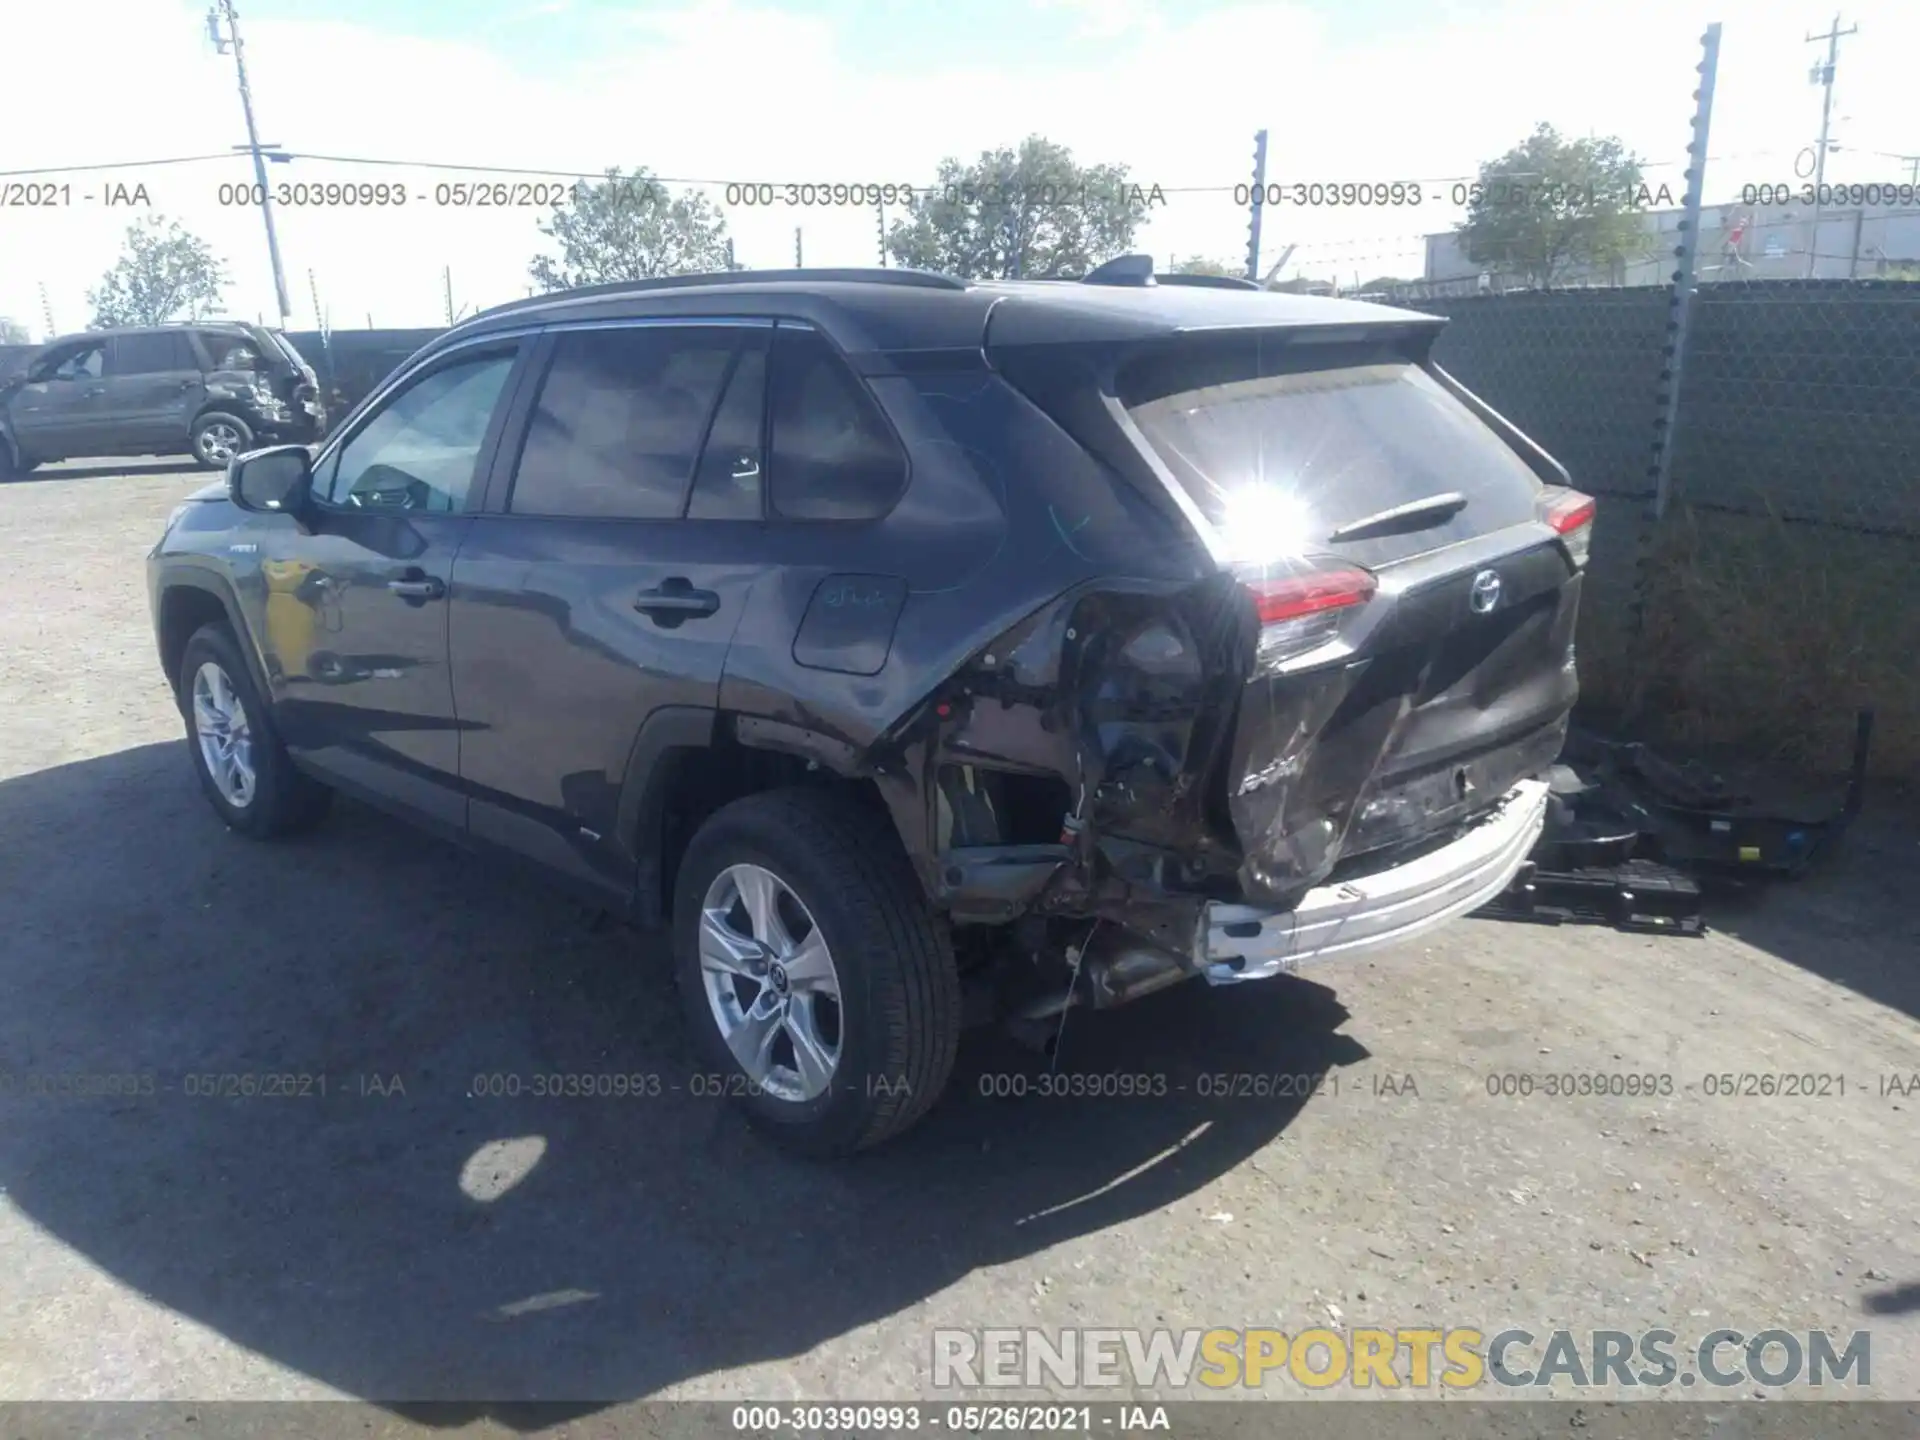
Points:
190	600
689	761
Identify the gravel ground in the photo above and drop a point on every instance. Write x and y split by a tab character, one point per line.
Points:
170	1247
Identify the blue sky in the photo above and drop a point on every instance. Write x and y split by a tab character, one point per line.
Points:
878	90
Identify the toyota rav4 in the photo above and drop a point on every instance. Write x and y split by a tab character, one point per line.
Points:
910	648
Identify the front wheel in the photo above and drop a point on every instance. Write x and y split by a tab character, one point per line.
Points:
243	767
218	438
821	992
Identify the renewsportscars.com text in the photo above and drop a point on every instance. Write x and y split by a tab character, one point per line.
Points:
1459	1358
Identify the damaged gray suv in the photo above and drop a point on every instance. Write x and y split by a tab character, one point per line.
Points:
911	649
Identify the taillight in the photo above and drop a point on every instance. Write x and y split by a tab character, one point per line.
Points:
1571	515
1301	612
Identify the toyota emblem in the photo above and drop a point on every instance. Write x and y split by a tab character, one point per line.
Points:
1485	592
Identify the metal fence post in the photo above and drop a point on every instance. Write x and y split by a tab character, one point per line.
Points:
1686	255
1259	204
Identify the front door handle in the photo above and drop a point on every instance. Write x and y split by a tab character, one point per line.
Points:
676	597
418	587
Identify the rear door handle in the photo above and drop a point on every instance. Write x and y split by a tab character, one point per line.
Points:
675	596
418	587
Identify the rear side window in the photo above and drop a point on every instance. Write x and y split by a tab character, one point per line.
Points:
1293	442
151	354
230	352
833	455
620	420
728	484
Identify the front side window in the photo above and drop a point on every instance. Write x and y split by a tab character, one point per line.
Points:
620	420
86	363
420	450
834	457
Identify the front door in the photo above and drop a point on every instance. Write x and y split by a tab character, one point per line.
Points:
355	621
153	391
56	415
584	604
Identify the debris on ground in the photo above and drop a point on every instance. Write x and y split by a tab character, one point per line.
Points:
1631	833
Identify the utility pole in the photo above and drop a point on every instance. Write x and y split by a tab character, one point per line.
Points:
220	43
446	274
1259	203
798	263
880	208
1822	75
46	311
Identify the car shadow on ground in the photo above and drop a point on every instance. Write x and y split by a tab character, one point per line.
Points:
1853	918
403	1238
109	469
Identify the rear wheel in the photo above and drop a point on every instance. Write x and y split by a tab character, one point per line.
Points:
217	438
243	767
821	993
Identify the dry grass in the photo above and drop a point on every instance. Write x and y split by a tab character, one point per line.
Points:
1767	637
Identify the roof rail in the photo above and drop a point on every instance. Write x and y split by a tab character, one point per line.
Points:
1211	282
1137	270
864	275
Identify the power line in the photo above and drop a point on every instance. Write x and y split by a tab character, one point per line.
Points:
1823	76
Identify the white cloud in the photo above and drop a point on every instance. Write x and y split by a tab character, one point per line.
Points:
724	88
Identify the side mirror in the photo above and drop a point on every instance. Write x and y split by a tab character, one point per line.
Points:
274	481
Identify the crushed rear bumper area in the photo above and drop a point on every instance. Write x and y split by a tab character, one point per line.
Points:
1396	902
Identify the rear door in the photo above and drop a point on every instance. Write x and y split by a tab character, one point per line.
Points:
1416	610
585	605
154	387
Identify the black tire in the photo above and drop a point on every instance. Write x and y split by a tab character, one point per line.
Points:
899	1013
11	466
216	422
282	800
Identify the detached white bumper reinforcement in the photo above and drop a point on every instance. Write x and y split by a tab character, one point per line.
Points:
1247	942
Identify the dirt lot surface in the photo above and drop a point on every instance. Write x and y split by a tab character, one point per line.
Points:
401	1237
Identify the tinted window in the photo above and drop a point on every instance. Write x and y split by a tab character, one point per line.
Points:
151	353
727	485
1281	449
419	450
230	352
833	455
86	363
619	421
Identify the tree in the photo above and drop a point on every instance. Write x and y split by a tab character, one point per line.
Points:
12	332
1382	283
630	227
1550	207
1029	212
166	272
1202	265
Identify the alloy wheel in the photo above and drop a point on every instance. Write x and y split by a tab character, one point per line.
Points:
226	740
770	983
219	442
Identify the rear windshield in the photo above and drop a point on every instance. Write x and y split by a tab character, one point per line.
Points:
1280	447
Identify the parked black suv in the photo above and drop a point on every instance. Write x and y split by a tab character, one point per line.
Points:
895	639
210	390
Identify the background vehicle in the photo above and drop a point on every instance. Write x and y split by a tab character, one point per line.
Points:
897	640
210	390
